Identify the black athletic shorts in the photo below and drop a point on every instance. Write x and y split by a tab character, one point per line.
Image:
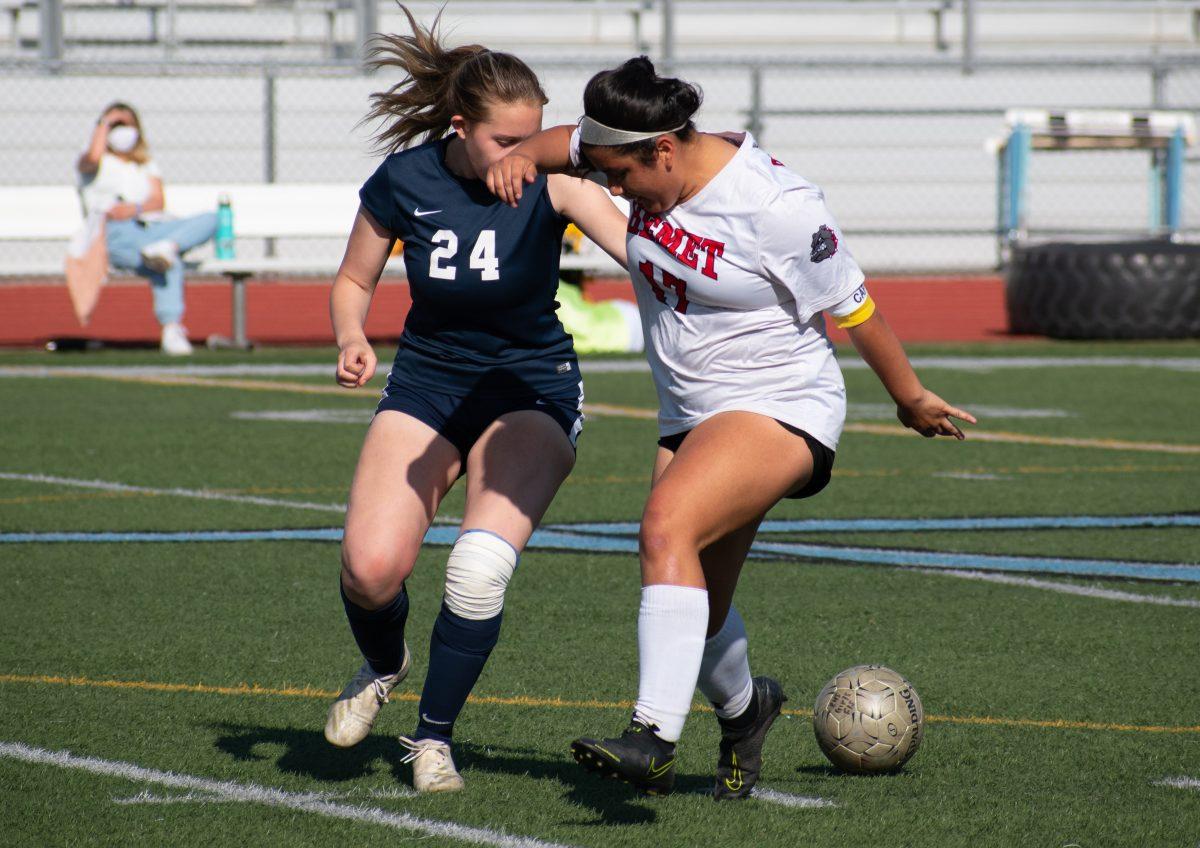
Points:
822	460
462	420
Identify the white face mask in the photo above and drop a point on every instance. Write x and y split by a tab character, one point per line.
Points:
122	139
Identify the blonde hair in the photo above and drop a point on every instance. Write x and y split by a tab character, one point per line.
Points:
439	83
141	151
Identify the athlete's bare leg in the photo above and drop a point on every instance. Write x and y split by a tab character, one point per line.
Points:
403	472
513	473
725	476
721	561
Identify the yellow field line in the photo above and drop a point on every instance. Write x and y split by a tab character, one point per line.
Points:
602	409
555	703
223	383
80	497
1027	439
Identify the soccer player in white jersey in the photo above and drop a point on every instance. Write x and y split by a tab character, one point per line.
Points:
734	259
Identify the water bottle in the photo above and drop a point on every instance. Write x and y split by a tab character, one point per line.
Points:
224	237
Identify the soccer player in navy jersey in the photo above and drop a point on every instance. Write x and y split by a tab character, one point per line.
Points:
485	382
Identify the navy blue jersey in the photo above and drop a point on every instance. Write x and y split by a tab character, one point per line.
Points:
482	276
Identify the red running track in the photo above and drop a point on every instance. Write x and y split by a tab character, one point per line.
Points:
920	309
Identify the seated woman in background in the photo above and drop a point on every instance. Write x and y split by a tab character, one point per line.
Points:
117	178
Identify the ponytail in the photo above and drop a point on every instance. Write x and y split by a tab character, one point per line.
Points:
440	83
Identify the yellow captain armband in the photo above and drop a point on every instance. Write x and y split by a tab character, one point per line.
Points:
858	316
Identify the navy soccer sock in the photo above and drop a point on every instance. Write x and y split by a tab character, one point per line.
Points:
458	649
380	633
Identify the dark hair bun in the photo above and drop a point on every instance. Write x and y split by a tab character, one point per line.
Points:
634	97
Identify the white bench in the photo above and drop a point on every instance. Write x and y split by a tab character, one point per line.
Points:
261	212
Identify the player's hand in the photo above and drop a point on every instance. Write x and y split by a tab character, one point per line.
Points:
930	416
507	178
356	364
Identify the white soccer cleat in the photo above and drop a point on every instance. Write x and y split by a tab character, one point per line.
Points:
352	715
160	255
433	767
175	341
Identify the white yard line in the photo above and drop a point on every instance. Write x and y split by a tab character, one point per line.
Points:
200	494
148	797
969	475
611	366
783	799
254	794
360	417
1066	588
1179	782
786	799
957	363
246	370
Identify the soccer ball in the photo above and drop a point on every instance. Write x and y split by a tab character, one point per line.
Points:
868	720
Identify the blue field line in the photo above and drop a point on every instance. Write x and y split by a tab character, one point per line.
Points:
316	534
565	537
988	562
441	535
901	525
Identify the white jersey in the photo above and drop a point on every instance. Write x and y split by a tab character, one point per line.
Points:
116	180
731	284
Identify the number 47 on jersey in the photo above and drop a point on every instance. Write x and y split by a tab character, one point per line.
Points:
669	281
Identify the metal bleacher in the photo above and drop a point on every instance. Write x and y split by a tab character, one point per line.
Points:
307	30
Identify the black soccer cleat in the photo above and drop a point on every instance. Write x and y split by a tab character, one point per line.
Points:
740	759
637	757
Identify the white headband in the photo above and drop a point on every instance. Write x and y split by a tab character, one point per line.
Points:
592	131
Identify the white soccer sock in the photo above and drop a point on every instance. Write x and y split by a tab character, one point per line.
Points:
725	671
671	625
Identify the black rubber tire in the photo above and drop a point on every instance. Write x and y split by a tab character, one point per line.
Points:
1105	290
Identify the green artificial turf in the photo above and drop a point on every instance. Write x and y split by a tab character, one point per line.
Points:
1052	717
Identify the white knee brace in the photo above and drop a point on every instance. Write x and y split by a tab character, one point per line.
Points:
477	573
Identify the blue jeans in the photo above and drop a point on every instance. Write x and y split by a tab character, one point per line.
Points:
126	239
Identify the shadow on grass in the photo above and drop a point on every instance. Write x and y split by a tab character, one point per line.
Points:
613	802
305	752
831	772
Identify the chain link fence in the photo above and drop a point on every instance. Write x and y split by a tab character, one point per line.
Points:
899	143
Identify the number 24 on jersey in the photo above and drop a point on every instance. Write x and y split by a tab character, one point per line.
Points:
482	257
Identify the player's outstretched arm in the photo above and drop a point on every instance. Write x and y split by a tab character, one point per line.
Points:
916	406
366	253
591	208
548	152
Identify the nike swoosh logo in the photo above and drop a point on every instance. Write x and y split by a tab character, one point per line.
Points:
421	214
661	770
539	402
735	783
429	720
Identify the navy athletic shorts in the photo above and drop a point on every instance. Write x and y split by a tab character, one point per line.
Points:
822	460
462	420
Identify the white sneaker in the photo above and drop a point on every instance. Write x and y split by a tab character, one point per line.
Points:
433	767
353	713
160	255
175	341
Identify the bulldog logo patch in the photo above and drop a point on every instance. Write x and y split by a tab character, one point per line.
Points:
824	244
